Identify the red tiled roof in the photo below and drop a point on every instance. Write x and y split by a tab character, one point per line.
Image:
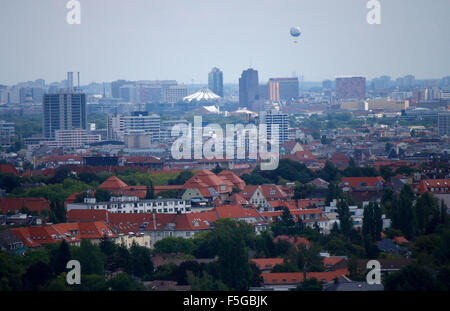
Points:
294	278
355	182
438	185
142	159
8	169
233	178
270	192
339	157
113	183
236	211
195	221
237	199
16	204
130	222
167	187
71	232
300	156
331	261
206	179
296	241
62	158
267	263
400	240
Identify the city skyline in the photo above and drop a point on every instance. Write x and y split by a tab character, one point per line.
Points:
336	40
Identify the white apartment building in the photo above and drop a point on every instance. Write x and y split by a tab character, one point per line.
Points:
72	139
118	125
132	204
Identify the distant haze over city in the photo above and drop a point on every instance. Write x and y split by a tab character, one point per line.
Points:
183	40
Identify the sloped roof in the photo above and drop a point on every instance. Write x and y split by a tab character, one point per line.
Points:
297	277
296	241
233	178
237	211
267	263
16	204
358	181
8	169
207	179
71	232
113	183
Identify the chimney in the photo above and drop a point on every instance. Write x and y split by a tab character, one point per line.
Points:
70	81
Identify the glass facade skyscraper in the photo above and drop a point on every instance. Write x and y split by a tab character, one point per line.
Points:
248	87
63	111
215	81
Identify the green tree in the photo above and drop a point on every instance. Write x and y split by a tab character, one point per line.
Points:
90	257
205	283
410	278
217	169
60	175
169	194
59	283
57	212
37	276
141	261
286	225
123	282
264	245
181	179
102	195
403	216
344	216
372	221
235	271
93	282
59	257
174	245
311	284
150	193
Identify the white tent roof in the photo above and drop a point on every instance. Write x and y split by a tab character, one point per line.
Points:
204	94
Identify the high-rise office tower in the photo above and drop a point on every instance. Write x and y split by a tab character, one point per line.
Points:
174	94
351	88
119	125
248	87
115	87
63	111
275	117
444	123
327	84
283	89
215	81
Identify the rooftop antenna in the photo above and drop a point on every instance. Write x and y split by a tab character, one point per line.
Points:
78	79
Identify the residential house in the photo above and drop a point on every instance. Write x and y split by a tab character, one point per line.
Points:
290	280
434	186
206	184
265	265
73	233
15	205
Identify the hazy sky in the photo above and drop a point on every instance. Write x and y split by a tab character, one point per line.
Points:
184	39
